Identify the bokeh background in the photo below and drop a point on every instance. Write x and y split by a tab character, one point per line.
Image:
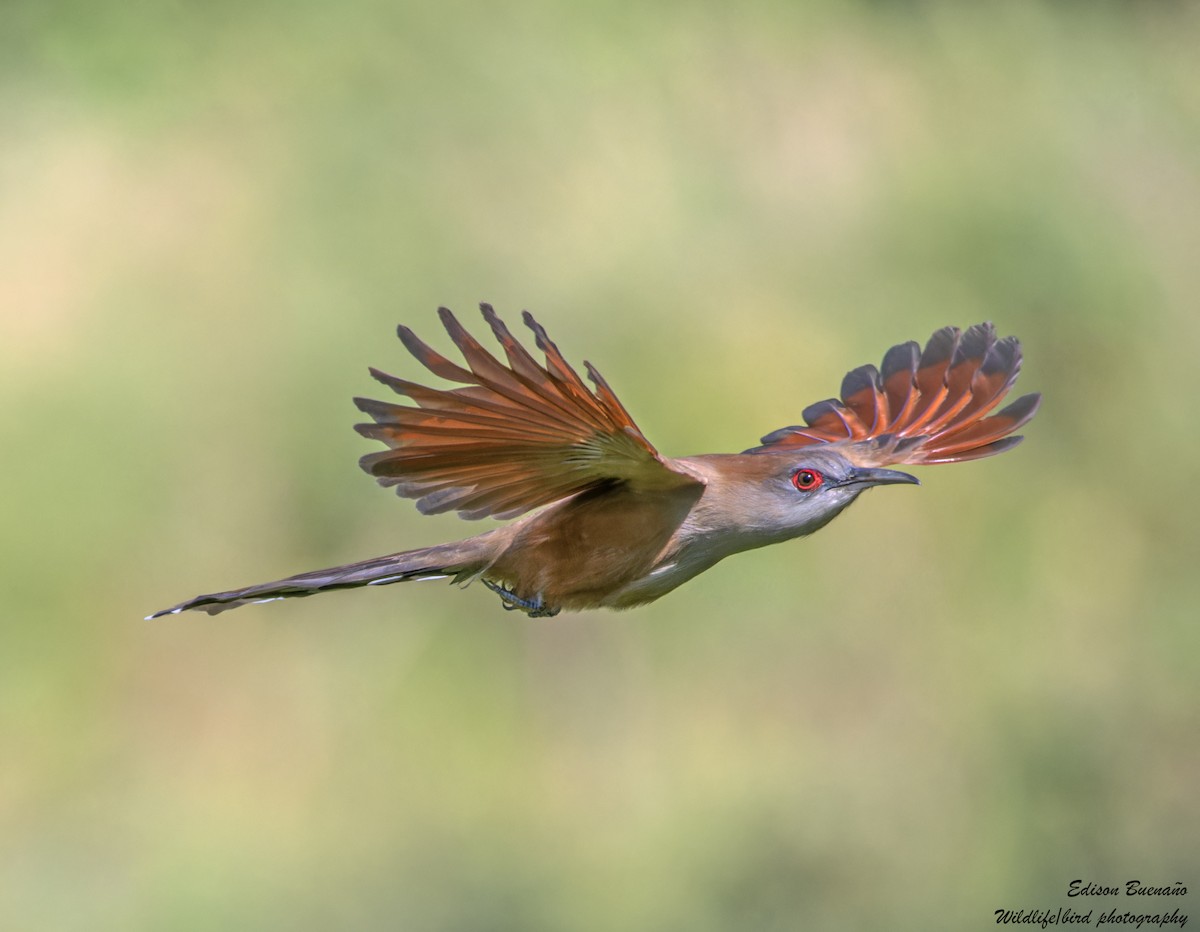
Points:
955	699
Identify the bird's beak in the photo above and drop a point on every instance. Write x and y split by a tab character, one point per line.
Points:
866	477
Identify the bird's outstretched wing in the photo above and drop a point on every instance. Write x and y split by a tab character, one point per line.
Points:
517	437
921	407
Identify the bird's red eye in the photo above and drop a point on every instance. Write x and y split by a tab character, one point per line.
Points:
807	479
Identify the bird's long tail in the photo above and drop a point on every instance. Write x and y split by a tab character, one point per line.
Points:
460	561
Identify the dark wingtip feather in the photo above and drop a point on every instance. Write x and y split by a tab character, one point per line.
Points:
903	357
1021	410
941	347
539	332
975	342
441	501
814	412
1004	443
367	461
366	405
408	338
976	453
856	380
1002	356
780	434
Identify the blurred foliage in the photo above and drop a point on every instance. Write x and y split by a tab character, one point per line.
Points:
955	699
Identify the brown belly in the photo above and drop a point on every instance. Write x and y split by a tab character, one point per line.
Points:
577	554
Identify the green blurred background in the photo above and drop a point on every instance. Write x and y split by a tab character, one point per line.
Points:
955	699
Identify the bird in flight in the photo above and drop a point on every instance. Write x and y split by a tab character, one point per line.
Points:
606	521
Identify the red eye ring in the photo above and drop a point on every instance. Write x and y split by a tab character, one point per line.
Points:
807	479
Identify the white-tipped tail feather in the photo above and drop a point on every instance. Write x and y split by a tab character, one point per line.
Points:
461	562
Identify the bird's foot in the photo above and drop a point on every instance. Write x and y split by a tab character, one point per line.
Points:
534	608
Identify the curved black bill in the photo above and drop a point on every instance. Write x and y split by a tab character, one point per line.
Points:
868	477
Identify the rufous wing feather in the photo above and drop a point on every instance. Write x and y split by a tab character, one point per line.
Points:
921	406
514	438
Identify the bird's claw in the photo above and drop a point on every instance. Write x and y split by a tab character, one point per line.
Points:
534	608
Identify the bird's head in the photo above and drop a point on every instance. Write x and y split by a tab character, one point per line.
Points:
817	485
776	496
